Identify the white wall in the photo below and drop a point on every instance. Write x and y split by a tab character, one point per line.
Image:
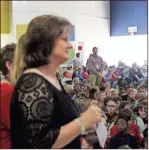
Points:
128	49
5	39
24	12
94	32
92	26
91	19
99	9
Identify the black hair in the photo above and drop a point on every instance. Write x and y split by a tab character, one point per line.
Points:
118	98
137	108
123	104
7	54
94	48
125	114
107	99
102	89
77	54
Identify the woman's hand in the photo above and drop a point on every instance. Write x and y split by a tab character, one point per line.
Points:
91	116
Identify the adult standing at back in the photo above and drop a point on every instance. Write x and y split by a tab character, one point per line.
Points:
95	64
76	62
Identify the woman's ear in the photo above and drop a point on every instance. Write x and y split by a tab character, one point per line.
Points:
8	65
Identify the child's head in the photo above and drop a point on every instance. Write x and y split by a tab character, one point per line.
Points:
145	105
123	120
108	98
140	111
125	104
114	92
111	106
131	93
102	96
79	69
75	81
141	91
76	85
85	69
122	125
118	101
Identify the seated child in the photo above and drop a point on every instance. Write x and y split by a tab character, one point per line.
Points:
122	137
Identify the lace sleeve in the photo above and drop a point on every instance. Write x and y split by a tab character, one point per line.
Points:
36	103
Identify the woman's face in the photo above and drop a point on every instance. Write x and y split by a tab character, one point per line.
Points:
61	48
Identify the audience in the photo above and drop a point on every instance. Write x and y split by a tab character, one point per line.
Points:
122	137
121	93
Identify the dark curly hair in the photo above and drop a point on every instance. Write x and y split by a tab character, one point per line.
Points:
7	54
125	114
40	36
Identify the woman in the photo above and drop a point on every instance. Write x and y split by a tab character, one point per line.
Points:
42	114
7	54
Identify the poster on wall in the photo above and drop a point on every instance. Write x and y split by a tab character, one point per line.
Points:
81	49
80	46
20	30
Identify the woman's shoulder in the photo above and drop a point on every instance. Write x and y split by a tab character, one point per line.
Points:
32	80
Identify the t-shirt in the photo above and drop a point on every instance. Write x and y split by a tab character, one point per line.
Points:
113	78
68	75
133	130
6	92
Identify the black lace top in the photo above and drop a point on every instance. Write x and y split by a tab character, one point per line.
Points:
38	110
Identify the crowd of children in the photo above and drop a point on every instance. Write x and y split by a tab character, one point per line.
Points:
123	98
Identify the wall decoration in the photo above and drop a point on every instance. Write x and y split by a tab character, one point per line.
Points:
71	36
20	30
5	16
